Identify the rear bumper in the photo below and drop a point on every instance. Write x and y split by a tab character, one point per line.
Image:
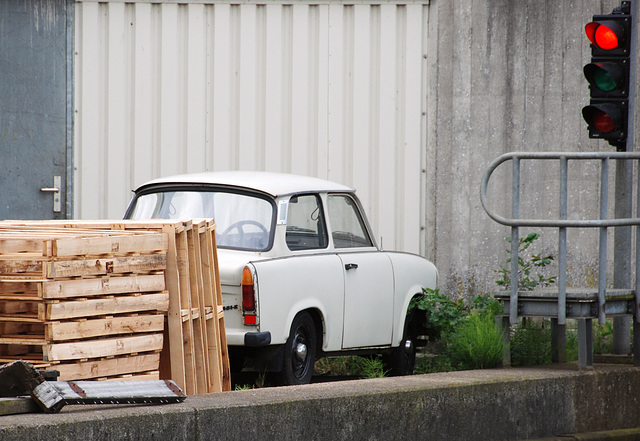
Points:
257	339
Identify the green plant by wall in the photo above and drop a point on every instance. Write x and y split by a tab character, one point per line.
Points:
477	344
530	344
529	268
441	313
603	338
464	332
371	367
351	366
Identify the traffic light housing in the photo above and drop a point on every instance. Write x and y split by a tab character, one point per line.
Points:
608	75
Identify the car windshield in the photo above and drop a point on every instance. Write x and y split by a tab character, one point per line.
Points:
243	221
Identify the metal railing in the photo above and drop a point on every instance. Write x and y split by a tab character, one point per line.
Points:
562	223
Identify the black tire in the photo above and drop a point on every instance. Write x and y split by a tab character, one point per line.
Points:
402	359
299	352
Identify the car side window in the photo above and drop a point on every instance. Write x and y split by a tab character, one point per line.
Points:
347	225
305	223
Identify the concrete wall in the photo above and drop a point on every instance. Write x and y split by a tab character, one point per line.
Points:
506	76
500	404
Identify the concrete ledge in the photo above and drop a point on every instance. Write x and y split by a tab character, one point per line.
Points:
605	435
501	404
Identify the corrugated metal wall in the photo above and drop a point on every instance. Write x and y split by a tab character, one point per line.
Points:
325	89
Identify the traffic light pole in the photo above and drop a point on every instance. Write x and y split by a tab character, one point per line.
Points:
623	209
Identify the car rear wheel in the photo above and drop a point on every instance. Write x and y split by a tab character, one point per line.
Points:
299	351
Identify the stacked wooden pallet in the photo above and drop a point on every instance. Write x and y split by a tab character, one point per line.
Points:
91	304
195	349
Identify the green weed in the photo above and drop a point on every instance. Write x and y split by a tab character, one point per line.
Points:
529	275
477	344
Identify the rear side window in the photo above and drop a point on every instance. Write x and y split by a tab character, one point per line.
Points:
347	225
305	223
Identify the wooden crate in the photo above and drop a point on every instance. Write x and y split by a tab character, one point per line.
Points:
195	351
72	298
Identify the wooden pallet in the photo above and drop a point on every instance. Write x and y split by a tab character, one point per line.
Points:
195	352
70	298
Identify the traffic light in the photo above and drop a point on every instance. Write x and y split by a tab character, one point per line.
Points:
608	75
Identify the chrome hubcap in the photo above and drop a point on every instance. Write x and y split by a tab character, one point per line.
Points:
300	351
408	346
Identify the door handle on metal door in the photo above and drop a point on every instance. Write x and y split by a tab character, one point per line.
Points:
57	184
350	266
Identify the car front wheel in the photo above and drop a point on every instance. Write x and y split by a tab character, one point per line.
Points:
299	351
402	359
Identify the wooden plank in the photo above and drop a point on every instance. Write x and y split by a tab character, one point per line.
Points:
14	287
113	265
34	359
20	266
110	245
60	331
182	256
22	245
24	318
125	225
27	310
224	349
200	342
22	340
102	348
9	328
214	352
58	289
107	306
175	353
108	367
144	376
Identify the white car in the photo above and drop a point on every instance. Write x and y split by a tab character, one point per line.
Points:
302	276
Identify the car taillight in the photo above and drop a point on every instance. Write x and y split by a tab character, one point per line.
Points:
248	298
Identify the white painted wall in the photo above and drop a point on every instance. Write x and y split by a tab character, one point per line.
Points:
326	89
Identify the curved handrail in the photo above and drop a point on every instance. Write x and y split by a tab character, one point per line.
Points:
558	222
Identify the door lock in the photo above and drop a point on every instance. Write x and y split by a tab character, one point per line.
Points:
57	184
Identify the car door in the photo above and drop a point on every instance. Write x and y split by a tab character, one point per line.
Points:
368	277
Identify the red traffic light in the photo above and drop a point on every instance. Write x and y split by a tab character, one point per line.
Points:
606	34
603	118
609	35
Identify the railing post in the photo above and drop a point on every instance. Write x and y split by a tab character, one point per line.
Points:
515	239
636	314
602	269
562	245
622	246
558	325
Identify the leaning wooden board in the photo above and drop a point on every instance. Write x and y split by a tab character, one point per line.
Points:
195	349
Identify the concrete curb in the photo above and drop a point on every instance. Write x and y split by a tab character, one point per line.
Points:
605	435
500	404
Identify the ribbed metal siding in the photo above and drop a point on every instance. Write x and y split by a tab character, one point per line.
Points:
329	90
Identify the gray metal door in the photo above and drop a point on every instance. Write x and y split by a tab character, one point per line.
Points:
35	108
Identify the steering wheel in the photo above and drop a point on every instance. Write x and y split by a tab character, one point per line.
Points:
240	227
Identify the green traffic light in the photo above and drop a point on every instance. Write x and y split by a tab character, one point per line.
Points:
607	78
604	81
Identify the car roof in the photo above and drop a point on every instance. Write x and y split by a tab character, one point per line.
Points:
275	184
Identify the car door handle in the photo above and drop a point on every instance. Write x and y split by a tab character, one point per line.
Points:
350	266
